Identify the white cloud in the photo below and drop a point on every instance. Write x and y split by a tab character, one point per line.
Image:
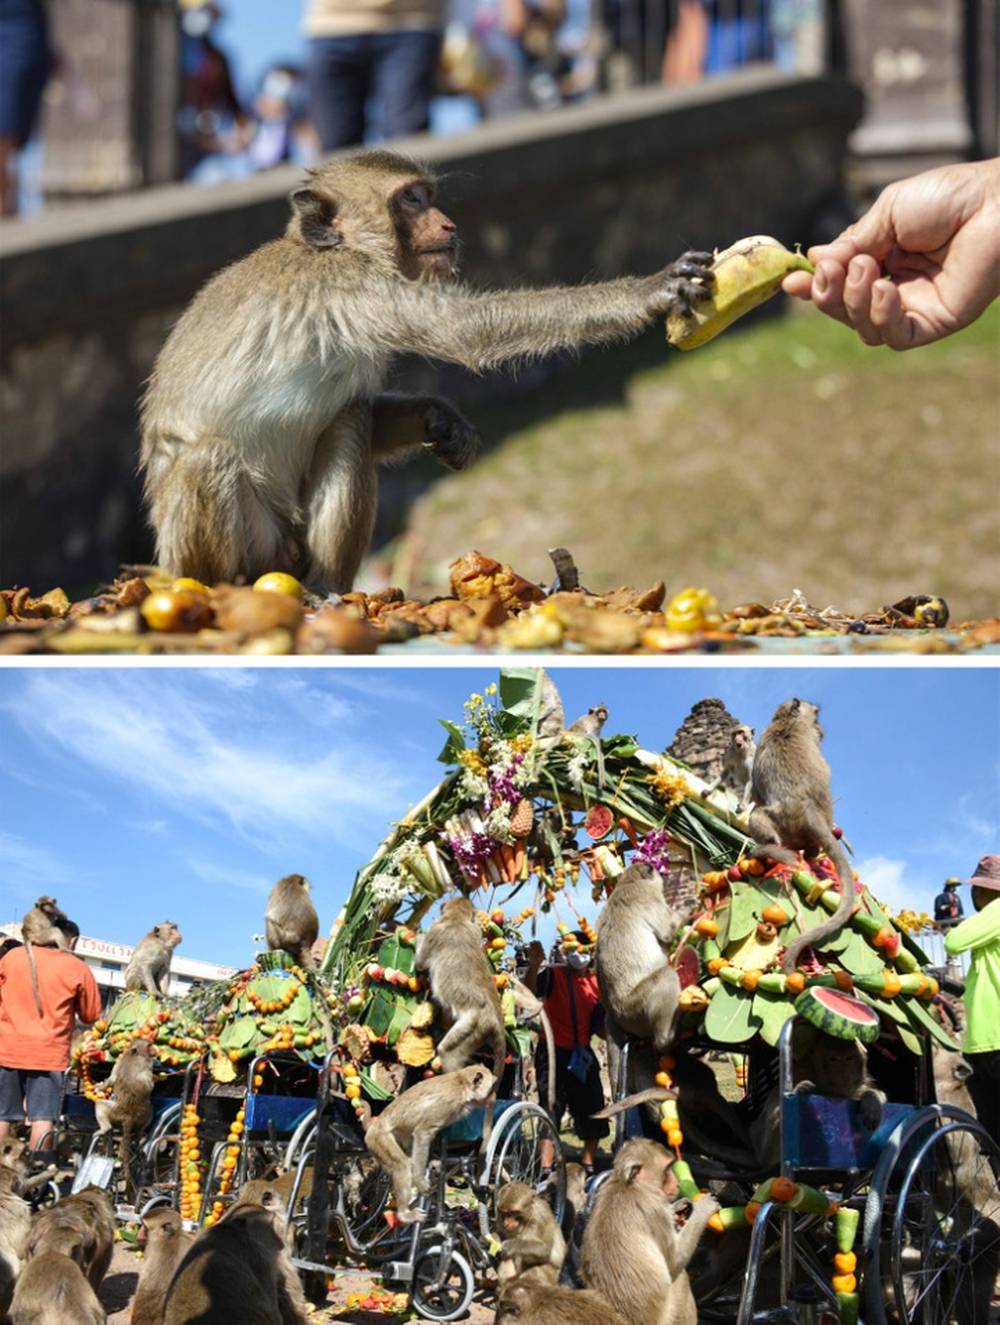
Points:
894	884
273	765
228	877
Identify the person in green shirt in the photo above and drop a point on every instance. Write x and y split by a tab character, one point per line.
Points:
980	936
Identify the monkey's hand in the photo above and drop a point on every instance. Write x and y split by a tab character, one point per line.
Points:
448	435
804	1088
681	285
870	1104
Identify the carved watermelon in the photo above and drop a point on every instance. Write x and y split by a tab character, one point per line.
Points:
837	1013
598	822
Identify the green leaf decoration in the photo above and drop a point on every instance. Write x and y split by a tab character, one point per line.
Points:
454	745
379	1014
519	1038
239	1033
400	1019
730	1018
394	952
773	1010
911	1040
519	689
744	912
856	954
921	1019
890	1008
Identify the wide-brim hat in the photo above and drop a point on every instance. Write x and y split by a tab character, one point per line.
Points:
987	874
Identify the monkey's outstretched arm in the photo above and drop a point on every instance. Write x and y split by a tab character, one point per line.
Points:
482	330
685	1243
403	424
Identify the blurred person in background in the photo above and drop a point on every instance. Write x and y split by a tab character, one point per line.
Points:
711	37
378	52
26	60
283	132
213	128
948	908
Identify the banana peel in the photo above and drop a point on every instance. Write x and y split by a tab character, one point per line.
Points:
747	274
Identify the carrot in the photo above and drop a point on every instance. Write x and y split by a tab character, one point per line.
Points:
507	863
626	826
520	860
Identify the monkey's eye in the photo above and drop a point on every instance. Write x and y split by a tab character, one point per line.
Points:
414	196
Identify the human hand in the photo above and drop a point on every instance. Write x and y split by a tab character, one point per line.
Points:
922	263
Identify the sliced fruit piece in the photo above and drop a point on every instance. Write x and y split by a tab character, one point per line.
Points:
839	1014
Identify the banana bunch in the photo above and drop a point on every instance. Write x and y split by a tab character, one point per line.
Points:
746	274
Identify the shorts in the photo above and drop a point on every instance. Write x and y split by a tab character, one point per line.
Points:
41	1092
25	65
581	1098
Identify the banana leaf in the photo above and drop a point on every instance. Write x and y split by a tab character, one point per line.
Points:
773	1010
921	1020
731	1018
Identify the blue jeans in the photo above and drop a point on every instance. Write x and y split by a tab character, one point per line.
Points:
395	69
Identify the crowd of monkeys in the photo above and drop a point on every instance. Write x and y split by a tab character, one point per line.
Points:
634	1249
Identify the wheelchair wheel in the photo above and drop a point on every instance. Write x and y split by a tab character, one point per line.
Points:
443	1284
515	1154
934	1258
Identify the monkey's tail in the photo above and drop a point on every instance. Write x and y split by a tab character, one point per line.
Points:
779	855
125	1159
499	1063
639	1097
813	937
34	978
550	1049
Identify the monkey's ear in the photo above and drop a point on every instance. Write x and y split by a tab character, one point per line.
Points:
796	705
317	218
631	1170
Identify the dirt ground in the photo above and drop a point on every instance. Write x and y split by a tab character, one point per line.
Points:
784	455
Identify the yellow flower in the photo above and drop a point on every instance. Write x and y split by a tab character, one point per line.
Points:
671	789
491	689
522	744
474	762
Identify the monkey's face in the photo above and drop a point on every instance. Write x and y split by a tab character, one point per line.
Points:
169	933
428	240
742	738
512	1221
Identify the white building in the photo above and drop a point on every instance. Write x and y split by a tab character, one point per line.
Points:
108	962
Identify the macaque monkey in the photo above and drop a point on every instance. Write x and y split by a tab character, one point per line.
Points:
793	809
632	1252
239	1269
821	1065
533	1245
589	728
149	965
131	1082
265	415
290	921
523	1303
639	987
400	1136
81	1226
15	1224
450	954
41	926
53	1290
163	1242
737	766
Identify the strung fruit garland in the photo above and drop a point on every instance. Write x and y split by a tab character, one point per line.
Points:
169	1025
190	1163
230	1162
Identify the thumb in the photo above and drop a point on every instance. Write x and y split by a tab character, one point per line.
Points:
873	233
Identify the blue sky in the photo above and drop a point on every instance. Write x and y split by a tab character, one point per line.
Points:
137	794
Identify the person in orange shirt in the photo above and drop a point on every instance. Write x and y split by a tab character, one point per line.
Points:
35	1051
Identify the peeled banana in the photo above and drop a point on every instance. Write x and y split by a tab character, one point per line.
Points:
746	274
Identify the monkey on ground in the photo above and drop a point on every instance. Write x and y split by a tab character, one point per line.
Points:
266	414
589	728
821	1065
450	955
793	809
239	1269
523	1303
533	1245
639	986
41	926
290	920
81	1226
400	1136
633	1253
15	1225
163	1243
736	774
131	1083
53	1290
149	965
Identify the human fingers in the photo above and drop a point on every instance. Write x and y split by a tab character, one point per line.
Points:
798	284
828	289
895	327
862	273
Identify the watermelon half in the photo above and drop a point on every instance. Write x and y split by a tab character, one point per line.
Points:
598	822
839	1014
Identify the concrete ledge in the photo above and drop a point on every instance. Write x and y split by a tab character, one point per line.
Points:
620	184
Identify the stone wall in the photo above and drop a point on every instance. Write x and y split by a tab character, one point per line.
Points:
618	185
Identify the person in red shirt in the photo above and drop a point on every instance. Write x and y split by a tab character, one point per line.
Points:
572	1000
35	1050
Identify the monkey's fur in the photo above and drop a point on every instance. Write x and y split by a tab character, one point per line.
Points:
41	926
523	1303
793	809
149	966
632	1252
239	1269
53	1290
400	1136
639	987
736	774
266	415
533	1245
81	1226
588	728
164	1243
821	1065
290	920
15	1225
450	954
131	1082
